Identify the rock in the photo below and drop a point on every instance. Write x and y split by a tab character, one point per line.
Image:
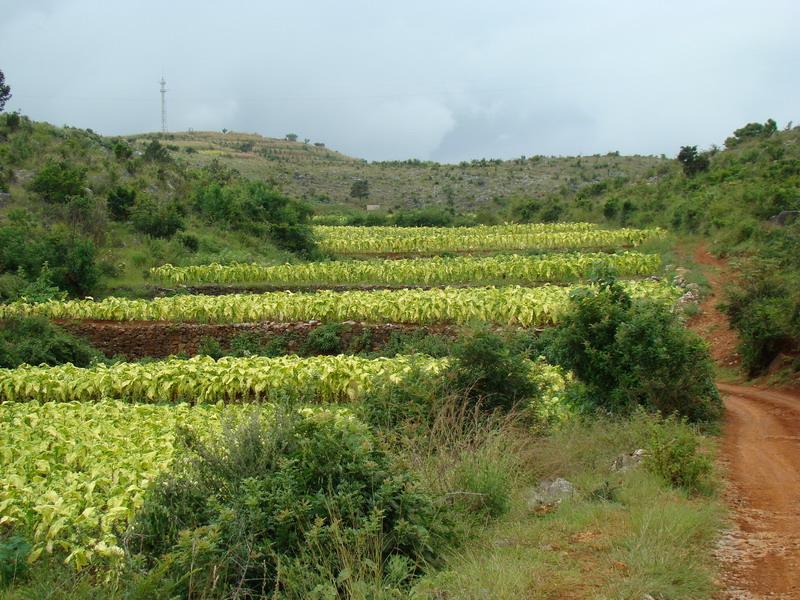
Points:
548	494
785	217
627	462
4	198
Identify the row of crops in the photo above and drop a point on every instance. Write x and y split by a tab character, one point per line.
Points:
511	305
449	270
202	379
365	240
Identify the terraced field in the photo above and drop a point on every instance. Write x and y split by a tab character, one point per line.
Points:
82	445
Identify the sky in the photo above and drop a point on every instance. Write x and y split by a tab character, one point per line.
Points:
434	80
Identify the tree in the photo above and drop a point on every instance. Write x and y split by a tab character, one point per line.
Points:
291	137
359	189
5	91
751	131
692	161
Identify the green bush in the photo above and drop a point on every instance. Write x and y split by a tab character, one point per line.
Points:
488	371
56	182
14	551
258	209
431	216
26	249
633	354
155	152
673	454
35	341
765	311
288	504
324	339
120	203
210	346
158	220
122	151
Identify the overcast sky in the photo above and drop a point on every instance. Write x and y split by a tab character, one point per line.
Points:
442	80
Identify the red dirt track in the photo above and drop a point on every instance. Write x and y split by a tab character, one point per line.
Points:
760	555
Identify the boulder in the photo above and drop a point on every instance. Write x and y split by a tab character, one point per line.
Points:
548	494
626	462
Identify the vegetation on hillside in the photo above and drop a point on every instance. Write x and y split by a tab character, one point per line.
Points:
731	199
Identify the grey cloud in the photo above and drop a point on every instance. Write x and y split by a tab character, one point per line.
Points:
446	80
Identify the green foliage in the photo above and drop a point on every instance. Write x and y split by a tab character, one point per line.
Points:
764	308
13	121
155	152
751	131
283	504
14	552
5	91
692	161
431	216
190	242
360	189
673	454
324	339
156	219
210	346
26	249
56	182
490	373
40	289
486	487
36	341
122	151
633	353
258	209
121	201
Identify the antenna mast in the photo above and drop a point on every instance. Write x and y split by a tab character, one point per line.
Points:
163	104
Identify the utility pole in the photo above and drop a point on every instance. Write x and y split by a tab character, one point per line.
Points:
163	104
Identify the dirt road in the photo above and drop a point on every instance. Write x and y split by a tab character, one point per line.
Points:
761	449
760	452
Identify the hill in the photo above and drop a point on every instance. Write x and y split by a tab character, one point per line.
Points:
323	176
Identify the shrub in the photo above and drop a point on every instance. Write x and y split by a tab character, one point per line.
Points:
56	182
35	341
258	209
489	372
210	346
25	249
122	151
284	504
14	552
155	152
765	311
431	216
120	202
633	354
673	455
692	161
324	339
159	220
190	242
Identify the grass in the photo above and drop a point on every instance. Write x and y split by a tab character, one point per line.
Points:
620	535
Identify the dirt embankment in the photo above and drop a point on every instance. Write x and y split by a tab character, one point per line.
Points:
760	453
158	339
